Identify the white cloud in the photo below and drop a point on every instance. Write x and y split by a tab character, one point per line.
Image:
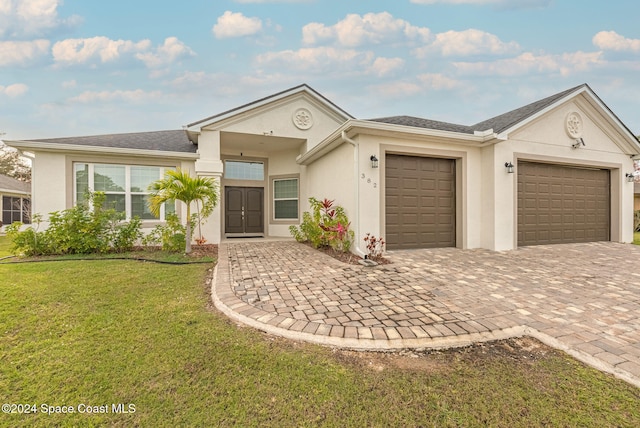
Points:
236	25
468	42
169	52
102	49
356	30
318	60
135	96
22	18
385	66
612	41
438	81
21	53
15	90
528	63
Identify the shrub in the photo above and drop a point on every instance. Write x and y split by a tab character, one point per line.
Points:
169	236
89	227
326	226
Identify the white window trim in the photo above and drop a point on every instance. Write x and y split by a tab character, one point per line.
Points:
274	199
128	193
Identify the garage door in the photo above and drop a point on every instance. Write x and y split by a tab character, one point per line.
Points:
420	202
561	204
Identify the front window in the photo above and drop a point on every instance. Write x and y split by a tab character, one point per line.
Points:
125	187
15	208
285	199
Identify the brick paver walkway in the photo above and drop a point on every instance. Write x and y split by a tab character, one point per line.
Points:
581	298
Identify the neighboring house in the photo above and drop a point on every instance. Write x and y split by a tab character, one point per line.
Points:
549	172
15	200
636	196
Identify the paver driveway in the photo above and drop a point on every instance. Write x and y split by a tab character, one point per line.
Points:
581	298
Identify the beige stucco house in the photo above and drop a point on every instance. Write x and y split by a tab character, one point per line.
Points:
553	171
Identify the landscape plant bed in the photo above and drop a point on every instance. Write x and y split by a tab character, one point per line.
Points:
349	258
200	254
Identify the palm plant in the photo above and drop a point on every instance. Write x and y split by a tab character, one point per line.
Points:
180	186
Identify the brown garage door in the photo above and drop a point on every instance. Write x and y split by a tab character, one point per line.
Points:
561	204
420	202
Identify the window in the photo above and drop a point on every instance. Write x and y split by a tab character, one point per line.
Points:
285	199
15	208
125	187
243	170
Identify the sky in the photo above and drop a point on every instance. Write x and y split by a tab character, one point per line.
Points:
87	67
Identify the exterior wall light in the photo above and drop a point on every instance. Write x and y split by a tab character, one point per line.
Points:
630	177
509	167
374	161
579	142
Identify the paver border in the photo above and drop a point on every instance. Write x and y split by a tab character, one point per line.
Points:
228	303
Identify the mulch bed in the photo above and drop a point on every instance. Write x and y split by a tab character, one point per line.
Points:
349	258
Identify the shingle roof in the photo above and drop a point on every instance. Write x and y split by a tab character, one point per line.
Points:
170	141
11	184
424	123
497	123
513	117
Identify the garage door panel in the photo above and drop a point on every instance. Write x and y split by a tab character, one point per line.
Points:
562	204
420	202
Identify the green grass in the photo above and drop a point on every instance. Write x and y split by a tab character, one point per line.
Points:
636	238
110	331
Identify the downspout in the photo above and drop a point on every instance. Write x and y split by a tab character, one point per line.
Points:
356	154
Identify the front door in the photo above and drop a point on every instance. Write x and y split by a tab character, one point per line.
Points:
244	211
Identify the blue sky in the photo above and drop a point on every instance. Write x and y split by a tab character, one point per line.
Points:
84	67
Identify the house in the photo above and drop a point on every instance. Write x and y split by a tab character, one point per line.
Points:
550	172
15	201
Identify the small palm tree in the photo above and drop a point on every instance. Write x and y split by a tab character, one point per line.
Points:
180	186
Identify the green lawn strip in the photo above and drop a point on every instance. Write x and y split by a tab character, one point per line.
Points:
103	332
636	238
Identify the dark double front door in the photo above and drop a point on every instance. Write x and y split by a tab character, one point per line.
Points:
244	210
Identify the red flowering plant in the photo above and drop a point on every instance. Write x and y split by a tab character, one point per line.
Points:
375	246
326	226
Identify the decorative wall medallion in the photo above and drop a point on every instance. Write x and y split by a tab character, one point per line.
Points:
302	118
574	125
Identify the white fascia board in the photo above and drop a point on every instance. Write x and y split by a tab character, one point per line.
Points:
35	146
13	192
380	128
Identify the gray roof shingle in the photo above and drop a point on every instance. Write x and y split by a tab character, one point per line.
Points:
11	184
513	117
497	123
424	123
169	141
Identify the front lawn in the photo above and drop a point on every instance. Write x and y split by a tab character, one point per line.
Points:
636	238
112	332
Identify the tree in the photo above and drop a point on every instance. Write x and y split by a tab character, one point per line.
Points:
180	186
14	165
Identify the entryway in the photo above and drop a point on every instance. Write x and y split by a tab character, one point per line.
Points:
244	211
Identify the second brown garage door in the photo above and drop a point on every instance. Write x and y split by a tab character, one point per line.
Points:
420	202
562	204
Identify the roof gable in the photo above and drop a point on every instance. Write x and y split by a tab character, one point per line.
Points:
254	105
512	118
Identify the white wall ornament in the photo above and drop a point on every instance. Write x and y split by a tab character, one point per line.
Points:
574	125
302	119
